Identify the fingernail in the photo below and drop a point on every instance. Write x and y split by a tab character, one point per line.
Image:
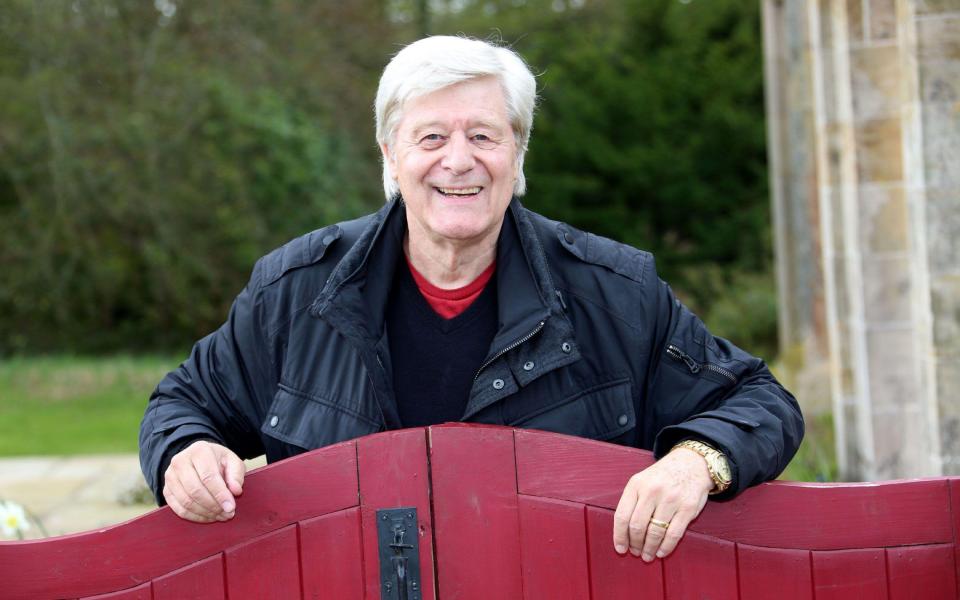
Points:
620	549
228	506
660	554
634	552
647	558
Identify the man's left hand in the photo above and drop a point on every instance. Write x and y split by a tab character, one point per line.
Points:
670	492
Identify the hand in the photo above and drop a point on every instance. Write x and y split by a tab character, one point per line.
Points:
201	482
673	490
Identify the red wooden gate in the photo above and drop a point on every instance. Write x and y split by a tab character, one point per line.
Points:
507	514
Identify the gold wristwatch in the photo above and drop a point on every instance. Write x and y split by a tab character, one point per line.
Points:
717	463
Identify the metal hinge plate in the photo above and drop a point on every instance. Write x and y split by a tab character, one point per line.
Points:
398	538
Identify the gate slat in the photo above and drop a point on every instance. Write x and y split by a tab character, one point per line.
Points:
265	568
553	549
701	567
616	577
112	558
476	521
331	556
955	519
765	569
850	574
141	592
921	572
200	581
394	473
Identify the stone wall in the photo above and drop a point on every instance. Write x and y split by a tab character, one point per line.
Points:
863	103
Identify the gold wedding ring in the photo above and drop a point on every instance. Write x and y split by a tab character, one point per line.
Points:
660	523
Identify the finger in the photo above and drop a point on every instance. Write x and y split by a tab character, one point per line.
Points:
639	523
234	471
674	533
621	518
208	465
656	533
182	512
196	482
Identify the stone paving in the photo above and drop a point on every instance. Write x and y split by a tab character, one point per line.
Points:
77	493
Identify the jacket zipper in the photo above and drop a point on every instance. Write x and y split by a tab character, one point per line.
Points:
695	367
508	349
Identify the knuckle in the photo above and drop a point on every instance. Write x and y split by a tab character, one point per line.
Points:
655	533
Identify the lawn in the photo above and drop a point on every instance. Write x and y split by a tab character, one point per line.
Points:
73	405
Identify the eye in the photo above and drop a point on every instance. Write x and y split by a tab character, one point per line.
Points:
484	141
431	140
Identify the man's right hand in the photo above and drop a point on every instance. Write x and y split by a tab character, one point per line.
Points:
201	482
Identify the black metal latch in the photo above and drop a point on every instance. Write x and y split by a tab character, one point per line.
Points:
399	542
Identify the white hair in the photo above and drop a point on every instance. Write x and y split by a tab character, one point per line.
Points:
436	62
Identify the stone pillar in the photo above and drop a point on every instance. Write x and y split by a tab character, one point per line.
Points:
863	104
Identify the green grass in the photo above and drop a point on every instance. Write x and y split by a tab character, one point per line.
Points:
72	405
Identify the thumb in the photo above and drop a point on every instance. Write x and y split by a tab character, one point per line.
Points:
233	471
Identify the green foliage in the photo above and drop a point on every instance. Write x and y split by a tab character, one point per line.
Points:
141	174
816	459
148	158
745	311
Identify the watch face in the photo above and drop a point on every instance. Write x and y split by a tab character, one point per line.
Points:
723	469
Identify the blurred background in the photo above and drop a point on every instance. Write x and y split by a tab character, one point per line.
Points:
151	151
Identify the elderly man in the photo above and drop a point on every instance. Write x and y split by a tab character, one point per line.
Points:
455	303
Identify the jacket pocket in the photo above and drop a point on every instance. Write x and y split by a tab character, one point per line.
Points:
308	421
600	412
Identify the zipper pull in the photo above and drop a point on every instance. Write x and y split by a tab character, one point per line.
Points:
560	297
679	354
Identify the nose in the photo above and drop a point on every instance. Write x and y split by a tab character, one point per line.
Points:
459	156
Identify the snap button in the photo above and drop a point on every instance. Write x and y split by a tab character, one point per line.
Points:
498	384
528	366
327	240
274	420
622	419
567	237
566	347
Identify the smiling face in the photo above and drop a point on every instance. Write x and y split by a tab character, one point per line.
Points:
454	158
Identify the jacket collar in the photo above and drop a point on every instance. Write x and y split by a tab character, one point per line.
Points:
526	293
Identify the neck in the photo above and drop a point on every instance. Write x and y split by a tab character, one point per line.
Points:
450	264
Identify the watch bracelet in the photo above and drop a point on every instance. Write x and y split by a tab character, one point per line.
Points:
702	448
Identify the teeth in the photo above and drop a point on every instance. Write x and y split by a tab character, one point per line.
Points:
459	191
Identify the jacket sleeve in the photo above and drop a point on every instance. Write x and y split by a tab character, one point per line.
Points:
213	393
704	387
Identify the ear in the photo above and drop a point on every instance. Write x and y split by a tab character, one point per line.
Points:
389	158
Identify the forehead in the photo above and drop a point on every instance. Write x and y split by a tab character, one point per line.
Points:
472	102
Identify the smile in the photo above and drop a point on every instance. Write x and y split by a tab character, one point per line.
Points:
470	191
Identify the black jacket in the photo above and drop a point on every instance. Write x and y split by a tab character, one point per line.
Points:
303	360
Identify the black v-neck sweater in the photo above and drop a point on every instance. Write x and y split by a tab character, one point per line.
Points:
435	359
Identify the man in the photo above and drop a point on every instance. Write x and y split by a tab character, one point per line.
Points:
453	302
